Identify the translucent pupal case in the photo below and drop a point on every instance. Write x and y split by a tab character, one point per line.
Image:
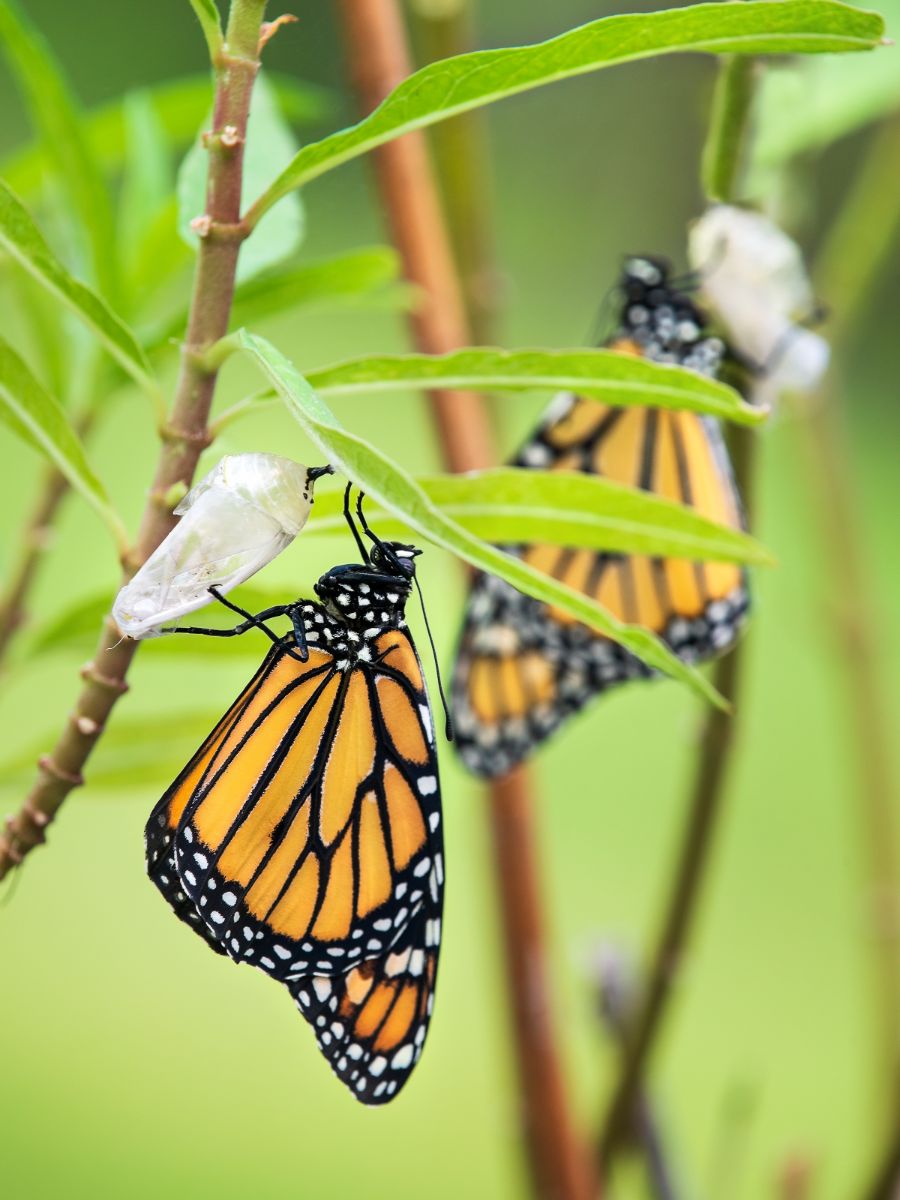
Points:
234	521
753	277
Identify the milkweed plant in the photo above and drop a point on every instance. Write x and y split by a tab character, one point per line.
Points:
130	284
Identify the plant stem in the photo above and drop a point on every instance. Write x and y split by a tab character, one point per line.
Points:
441	31
854	626
885	1181
723	157
184	436
615	1002
864	230
855	250
379	60
723	153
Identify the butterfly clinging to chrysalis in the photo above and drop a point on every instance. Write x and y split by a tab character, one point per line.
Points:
524	667
304	837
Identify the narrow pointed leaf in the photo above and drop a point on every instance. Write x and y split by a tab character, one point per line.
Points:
23	240
147	178
513	505
362	276
389	485
455	85
180	105
32	413
134	752
617	379
74	628
59	121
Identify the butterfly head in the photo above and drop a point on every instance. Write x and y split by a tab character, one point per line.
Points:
395	558
661	320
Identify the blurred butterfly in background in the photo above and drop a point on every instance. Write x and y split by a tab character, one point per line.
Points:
304	836
523	667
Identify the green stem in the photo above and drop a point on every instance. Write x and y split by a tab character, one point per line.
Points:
184	435
721	171
723	154
852	257
855	250
243	31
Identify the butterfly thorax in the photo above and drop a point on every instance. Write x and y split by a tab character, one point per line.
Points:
663	323
357	605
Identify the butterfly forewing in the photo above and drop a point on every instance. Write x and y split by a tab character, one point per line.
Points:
304	838
300	822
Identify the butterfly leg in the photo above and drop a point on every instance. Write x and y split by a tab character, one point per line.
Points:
299	635
348	517
251	621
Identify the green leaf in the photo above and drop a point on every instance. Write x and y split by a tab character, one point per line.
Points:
810	104
134	751
358	276
76	626
455	85
210	22
23	240
389	485
181	105
74	629
147	178
512	505
33	414
160	256
59	122
606	375
270	144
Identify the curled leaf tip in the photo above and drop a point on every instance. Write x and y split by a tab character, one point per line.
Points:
270	28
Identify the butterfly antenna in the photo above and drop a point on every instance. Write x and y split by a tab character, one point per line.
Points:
348	517
448	720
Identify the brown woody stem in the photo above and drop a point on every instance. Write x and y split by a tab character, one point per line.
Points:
379	61
464	168
184	436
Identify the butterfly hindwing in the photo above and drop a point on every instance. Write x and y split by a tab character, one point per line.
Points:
523	666
371	1022
306	818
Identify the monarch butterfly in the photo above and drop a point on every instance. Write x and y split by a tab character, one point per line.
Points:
304	837
522	666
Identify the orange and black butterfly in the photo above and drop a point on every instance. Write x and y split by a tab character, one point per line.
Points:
304	836
523	667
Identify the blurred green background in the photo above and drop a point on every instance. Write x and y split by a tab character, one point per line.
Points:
136	1063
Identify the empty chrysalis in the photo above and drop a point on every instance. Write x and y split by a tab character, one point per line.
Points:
753	277
234	521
